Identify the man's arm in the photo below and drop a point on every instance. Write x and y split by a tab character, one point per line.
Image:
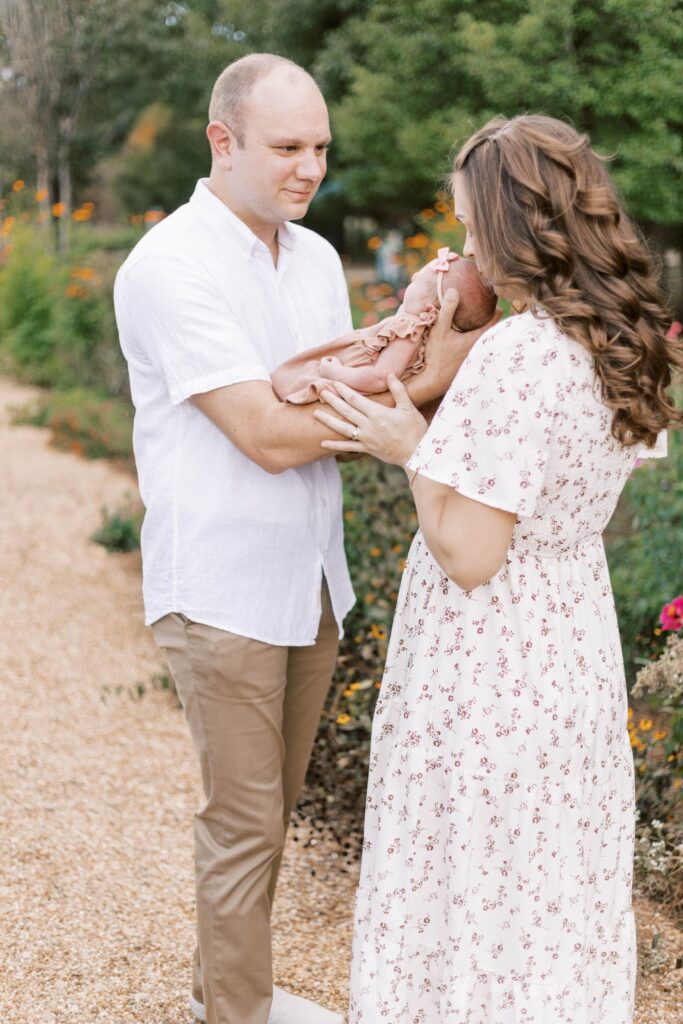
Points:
278	435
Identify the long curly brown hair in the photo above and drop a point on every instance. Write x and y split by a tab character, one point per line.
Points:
549	227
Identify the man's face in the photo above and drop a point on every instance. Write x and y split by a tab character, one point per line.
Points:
276	174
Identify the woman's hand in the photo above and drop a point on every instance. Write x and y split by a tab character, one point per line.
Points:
446	350
390	434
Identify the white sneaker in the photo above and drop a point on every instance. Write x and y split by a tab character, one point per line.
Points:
286	1009
197	1009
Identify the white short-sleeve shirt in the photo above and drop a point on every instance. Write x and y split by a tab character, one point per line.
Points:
200	305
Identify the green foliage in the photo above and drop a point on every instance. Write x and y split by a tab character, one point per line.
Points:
30	283
424	76
57	325
379	523
120	529
644	545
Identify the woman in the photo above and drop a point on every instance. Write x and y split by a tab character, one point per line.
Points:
496	875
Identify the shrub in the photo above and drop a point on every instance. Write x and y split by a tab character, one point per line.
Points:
30	285
85	422
642	544
379	525
658	756
120	530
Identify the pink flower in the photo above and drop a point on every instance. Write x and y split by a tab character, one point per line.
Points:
671	615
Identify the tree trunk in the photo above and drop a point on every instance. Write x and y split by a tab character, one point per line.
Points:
64	174
44	188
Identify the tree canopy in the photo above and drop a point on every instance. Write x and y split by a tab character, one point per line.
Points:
404	81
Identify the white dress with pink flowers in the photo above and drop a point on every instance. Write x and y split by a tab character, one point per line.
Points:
496	875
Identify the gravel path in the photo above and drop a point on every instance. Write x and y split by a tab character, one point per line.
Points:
99	784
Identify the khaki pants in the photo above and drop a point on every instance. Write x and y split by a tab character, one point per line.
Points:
253	710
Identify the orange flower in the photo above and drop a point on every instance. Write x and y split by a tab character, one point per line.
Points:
76	291
41	195
58	209
88	206
7	226
81	215
418	241
427	214
83	273
153	216
136	218
374	243
18	185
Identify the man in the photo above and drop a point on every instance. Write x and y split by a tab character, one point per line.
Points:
245	580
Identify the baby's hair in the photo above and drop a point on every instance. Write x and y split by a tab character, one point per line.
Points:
235	83
550	229
478	299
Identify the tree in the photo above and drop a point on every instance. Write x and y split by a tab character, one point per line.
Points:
55	49
426	75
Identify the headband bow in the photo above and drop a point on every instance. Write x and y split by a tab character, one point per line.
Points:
443	258
440	265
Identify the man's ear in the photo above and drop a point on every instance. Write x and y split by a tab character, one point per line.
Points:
222	142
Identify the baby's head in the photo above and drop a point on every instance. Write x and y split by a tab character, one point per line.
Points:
448	270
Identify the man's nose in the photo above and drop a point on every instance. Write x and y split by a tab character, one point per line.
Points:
311	166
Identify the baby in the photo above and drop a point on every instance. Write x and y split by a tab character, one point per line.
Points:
363	359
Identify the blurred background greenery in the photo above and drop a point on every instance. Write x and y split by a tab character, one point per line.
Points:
103	107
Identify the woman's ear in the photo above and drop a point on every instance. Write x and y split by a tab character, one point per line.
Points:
222	142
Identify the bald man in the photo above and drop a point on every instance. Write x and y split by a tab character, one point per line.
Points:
245	580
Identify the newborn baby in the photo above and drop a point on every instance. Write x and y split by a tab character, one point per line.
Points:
363	359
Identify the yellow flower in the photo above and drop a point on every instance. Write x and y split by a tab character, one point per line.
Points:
377	685
645	724
397	549
354	686
369	598
348	516
375	552
630	714
348	693
401	564
18	185
642	768
661	734
343	719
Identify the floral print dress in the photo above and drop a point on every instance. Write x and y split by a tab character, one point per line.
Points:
496	876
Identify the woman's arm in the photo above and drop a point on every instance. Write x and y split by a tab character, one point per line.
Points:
467	538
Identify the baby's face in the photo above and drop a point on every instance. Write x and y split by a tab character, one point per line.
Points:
421	292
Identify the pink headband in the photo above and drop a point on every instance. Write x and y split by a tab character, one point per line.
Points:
440	266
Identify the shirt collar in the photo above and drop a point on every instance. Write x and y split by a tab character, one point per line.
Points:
242	235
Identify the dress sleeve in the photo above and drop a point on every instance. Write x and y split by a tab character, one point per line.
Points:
186	329
491	436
